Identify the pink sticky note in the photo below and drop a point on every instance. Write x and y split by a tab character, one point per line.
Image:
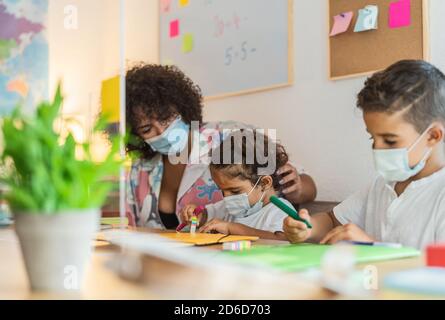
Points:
400	14
165	5
174	28
341	23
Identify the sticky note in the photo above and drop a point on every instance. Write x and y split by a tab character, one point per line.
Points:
367	18
174	28
400	14
187	43
183	3
110	97
341	23
166	5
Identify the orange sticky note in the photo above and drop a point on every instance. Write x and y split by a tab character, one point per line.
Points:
341	23
183	3
187	43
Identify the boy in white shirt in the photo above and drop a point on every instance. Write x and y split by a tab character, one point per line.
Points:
247	182
404	111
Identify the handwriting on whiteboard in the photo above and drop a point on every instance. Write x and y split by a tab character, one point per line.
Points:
238	53
225	24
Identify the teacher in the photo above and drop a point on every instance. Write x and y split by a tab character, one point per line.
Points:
162	101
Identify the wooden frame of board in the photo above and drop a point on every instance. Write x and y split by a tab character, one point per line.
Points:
425	43
290	59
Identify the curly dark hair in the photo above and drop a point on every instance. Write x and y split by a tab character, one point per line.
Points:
415	86
158	92
244	152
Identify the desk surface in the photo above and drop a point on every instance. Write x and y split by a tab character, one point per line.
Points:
104	283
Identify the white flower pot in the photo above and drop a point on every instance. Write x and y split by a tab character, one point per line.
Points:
56	248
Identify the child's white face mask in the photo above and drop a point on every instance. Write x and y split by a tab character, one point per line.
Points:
238	205
393	164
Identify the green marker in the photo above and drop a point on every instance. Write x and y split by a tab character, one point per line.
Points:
290	211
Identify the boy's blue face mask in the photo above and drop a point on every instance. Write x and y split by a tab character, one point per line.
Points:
393	164
238	205
173	140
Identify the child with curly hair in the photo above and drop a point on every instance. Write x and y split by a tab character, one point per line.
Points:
244	166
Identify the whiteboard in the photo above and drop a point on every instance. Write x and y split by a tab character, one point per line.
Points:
229	47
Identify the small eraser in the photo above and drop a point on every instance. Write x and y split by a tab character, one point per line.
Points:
435	255
237	245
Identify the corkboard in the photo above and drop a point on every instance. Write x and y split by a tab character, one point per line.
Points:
355	54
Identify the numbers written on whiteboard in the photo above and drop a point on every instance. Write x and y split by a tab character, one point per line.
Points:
223	25
241	53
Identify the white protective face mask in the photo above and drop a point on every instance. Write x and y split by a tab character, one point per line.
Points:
393	164
238	205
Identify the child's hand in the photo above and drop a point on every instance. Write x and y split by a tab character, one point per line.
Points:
297	231
216	225
187	213
348	232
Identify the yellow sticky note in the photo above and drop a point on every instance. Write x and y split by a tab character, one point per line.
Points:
183	3
110	97
187	43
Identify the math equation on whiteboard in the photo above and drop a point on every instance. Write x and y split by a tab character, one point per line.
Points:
240	53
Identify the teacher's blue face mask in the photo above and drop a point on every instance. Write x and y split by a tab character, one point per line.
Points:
393	164
173	140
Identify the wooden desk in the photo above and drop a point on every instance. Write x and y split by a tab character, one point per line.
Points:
164	280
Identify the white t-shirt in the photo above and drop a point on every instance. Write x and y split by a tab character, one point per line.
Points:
269	218
415	219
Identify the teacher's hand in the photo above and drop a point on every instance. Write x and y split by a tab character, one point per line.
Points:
296	188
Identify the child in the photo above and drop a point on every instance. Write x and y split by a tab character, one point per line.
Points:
404	112
247	181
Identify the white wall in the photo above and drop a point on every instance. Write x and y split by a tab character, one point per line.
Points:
81	58
72	57
142	25
437	10
85	56
316	119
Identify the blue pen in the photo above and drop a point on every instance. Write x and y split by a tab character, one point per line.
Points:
377	244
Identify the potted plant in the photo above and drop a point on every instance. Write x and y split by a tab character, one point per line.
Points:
54	193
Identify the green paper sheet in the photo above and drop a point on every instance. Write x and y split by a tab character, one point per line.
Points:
302	256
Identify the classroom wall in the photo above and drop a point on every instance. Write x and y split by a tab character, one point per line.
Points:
316	119
82	57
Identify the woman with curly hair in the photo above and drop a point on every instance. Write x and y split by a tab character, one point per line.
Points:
163	108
